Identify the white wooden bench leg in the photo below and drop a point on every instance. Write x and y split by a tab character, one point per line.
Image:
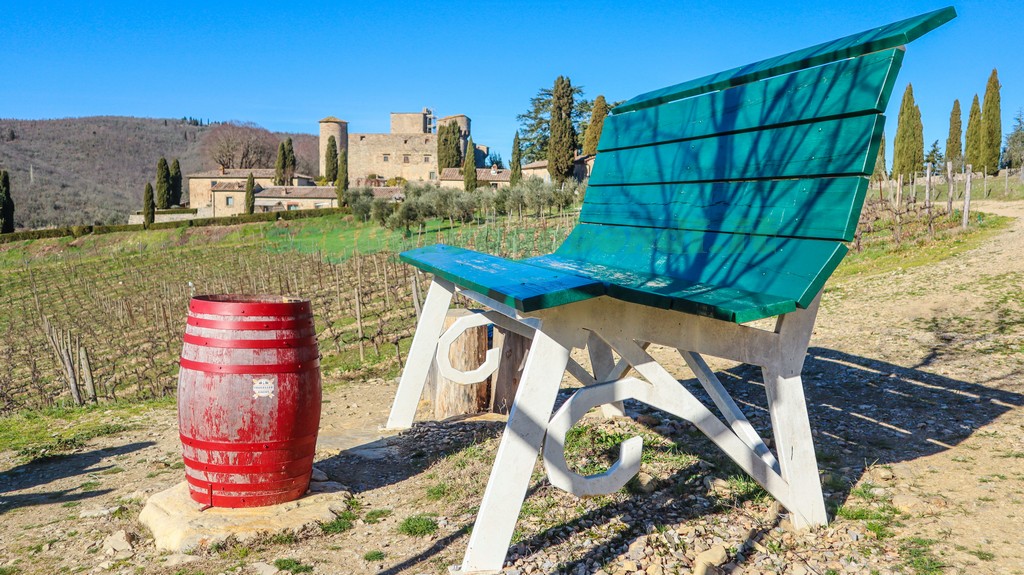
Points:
421	354
516	457
795	447
603	364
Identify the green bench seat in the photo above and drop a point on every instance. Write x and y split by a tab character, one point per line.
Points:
729	196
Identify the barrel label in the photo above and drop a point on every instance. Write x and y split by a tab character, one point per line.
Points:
263	386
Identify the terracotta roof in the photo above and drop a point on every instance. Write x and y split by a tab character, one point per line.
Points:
242	173
482	175
541	164
389	193
231	186
305	192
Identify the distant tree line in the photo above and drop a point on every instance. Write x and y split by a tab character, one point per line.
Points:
981	147
6	204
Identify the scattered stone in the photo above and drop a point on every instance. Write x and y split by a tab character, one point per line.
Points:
179	559
118	542
99	512
648	420
907	503
318	475
263	569
646	483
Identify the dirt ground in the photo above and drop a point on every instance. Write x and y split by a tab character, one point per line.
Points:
915	385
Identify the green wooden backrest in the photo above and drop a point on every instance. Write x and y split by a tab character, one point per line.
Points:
746	180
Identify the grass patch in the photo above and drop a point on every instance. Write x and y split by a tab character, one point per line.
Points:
439	491
292	566
375	555
375	515
340	524
418	525
880	255
917	555
983	555
286	538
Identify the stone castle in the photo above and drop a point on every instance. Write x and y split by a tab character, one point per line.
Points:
408	151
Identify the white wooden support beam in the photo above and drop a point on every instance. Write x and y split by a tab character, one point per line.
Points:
421	354
795	447
605	369
516	457
444	362
728	407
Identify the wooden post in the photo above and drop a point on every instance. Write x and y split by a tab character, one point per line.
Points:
949	187
967	198
468	352
984	182
514	349
928	196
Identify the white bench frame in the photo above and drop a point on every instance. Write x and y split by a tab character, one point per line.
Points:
601	325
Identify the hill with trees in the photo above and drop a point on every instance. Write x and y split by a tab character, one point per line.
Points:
80	171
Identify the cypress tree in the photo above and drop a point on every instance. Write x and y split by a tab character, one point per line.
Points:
908	146
331	158
6	204
562	146
250	195
175	183
148	208
342	182
163	185
880	174
469	167
289	162
954	143
991	126
448	153
282	156
517	161
972	151
593	133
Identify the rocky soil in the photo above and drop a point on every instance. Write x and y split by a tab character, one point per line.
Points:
915	384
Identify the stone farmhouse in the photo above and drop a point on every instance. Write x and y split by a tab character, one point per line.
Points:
494	177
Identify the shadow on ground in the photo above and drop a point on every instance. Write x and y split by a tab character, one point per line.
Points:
862	411
50	469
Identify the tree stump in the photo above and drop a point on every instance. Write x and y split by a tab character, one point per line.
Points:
468	352
514	349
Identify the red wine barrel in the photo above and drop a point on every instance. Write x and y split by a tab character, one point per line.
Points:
248	399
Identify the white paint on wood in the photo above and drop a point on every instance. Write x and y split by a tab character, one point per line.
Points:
421	354
444	345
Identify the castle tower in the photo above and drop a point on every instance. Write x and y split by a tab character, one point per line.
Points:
463	122
331	126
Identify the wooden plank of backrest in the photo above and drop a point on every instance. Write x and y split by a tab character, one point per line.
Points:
874	40
828	148
825	208
851	87
795	268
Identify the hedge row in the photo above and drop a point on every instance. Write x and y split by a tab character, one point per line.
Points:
171	211
79	231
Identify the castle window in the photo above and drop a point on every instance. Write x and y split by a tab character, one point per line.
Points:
387	158
229	201
426	140
361	138
405	159
433	175
426	159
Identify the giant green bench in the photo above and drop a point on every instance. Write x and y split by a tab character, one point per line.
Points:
712	204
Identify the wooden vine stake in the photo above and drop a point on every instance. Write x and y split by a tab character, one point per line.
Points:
950	187
967	198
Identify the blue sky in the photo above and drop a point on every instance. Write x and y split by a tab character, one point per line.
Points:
285	65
